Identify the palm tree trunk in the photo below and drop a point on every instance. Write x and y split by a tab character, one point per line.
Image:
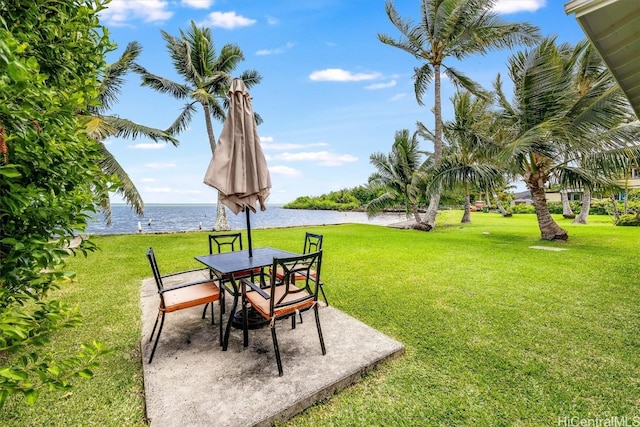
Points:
549	229
466	217
488	199
584	210
501	208
616	212
566	207
416	214
432	210
222	223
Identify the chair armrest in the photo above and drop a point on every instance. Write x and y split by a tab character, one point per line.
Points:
186	285
256	288
184	272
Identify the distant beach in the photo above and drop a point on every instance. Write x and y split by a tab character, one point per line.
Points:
160	218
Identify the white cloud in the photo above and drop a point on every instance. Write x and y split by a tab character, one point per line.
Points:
323	158
264	139
514	6
148	146
276	51
160	165
227	20
339	75
197	4
290	146
118	12
374	86
272	21
398	97
284	171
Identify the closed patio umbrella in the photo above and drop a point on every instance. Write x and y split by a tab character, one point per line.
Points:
238	168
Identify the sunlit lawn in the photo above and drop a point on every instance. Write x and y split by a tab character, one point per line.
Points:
496	333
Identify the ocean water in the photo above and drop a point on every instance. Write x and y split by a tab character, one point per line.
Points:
191	217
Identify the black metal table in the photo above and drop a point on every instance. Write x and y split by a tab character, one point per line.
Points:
225	264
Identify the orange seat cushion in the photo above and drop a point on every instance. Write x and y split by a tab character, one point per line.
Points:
261	304
296	276
191	296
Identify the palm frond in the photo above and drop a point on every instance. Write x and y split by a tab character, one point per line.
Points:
161	84
113	78
124	128
181	123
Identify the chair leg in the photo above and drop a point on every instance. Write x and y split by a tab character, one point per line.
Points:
324	296
204	312
324	351
276	349
222	301
213	315
157	338
153	331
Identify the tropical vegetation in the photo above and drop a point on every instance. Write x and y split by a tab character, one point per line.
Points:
491	337
101	125
468	156
451	30
550	130
207	79
51	54
401	174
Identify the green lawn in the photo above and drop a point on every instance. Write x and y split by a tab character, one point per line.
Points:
496	333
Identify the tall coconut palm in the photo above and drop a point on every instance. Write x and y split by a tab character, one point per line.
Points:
451	29
549	129
207	79
467	160
102	125
399	172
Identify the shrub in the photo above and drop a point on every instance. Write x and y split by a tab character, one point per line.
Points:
629	220
51	54
522	209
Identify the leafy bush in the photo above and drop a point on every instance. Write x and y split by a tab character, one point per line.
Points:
51	54
630	220
522	209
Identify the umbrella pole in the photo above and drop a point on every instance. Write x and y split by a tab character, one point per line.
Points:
246	209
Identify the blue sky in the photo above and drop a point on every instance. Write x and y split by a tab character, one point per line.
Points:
331	93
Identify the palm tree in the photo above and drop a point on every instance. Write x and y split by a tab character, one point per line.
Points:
100	125
451	29
399	173
549	129
207	78
467	159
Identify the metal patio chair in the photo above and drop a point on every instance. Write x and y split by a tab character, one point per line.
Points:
180	295
285	297
220	243
312	243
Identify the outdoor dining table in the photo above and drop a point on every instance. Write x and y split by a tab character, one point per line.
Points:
228	263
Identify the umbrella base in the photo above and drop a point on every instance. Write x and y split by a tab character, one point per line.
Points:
254	320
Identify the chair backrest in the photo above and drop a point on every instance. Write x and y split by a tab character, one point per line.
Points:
306	266
229	242
312	243
156	274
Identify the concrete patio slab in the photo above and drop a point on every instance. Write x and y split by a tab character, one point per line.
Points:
192	382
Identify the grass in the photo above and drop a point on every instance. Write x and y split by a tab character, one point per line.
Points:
496	333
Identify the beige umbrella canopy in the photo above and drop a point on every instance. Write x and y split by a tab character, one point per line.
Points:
238	168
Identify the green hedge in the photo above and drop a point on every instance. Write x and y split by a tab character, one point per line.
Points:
629	220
